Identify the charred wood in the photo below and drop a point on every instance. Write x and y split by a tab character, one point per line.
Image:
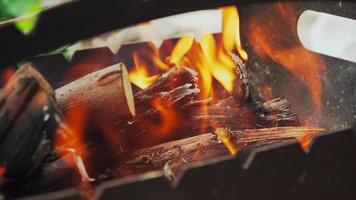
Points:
202	147
29	117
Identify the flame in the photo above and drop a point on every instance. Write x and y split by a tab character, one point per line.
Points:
306	141
139	76
220	66
268	39
168	119
71	135
181	48
154	57
231	30
210	57
225	137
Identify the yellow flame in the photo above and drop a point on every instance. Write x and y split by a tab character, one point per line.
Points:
211	58
220	66
231	30
154	56
139	76
181	48
225	137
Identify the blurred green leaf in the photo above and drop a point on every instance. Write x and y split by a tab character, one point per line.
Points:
16	8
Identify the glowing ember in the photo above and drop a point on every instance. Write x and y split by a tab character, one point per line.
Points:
306	141
225	137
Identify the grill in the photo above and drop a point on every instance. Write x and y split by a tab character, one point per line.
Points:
281	170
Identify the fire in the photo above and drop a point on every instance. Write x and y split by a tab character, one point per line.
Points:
167	118
225	137
210	57
71	135
181	48
220	66
306	141
268	38
231	30
139	76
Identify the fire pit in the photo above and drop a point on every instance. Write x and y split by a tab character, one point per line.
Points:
242	112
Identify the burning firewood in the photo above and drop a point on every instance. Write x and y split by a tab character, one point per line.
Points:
29	117
174	102
171	155
205	146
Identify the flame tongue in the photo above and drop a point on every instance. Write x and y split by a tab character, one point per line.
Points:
210	57
274	36
225	137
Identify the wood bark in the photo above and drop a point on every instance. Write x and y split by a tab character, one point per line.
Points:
170	156
105	95
192	115
29	117
182	152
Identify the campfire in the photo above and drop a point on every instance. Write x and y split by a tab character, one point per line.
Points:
162	111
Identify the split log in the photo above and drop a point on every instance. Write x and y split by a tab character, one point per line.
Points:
178	85
174	155
200	116
29	118
105	94
202	147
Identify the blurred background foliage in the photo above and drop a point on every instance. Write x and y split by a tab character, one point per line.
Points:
27	9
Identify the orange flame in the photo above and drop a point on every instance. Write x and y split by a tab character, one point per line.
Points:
265	33
168	119
210	57
306	141
72	137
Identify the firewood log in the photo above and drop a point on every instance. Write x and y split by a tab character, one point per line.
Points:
202	147
29	117
106	94
175	154
178	92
